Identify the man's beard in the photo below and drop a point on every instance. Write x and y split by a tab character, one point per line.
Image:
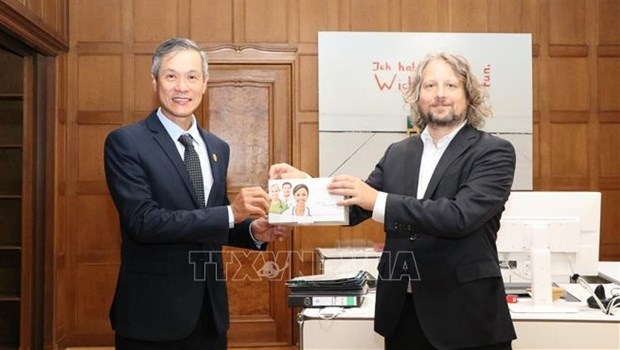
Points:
450	120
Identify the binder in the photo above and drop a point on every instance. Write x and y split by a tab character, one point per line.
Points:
337	290
309	301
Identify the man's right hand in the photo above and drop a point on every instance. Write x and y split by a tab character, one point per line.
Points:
250	202
286	171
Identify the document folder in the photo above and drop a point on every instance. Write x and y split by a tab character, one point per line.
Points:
342	289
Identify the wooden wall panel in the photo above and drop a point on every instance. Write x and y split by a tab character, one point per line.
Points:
108	16
99	83
567	23
609	84
421	15
96	214
308	83
144	99
91	294
90	155
212	21
266	21
608	24
155	19
569	144
610	239
609	155
369	15
569	79
469	16
315	16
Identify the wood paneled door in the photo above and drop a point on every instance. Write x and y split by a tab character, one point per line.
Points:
250	106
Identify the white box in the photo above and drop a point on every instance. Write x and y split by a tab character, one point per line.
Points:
308	203
338	260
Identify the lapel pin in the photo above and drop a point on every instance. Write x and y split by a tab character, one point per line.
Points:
214	157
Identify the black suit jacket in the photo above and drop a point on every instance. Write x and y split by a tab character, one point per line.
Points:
170	250
445	242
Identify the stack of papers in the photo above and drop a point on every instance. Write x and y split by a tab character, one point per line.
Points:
327	290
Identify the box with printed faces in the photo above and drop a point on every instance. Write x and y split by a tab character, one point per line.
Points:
305	202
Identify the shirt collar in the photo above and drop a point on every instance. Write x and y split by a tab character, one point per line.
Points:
175	131
445	141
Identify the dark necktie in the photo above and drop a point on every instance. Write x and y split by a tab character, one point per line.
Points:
192	163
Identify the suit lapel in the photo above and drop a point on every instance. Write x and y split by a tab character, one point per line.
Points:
215	160
412	168
167	145
461	142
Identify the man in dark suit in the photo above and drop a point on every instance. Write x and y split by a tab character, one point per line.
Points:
167	177
440	196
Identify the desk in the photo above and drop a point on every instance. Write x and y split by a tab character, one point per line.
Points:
586	329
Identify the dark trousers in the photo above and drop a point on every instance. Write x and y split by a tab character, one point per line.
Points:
409	334
203	337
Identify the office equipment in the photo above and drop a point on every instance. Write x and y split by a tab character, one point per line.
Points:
572	229
548	236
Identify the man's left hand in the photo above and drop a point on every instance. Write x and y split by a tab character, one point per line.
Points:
265	232
355	191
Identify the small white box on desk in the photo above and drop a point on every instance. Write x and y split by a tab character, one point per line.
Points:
336	260
305	202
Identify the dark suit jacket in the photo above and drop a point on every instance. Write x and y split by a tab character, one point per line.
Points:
446	241
170	250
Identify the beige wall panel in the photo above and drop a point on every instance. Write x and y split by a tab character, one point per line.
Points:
211	20
313	18
308	83
369	15
99	83
143	93
90	151
99	21
97	224
567	22
609	22
569	150
94	293
609	83
609	150
468	16
568	79
155	20
308	146
420	15
266	21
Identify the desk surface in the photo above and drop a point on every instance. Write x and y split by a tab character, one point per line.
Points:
584	313
352	328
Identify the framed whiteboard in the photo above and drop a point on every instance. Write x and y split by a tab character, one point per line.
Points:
362	76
